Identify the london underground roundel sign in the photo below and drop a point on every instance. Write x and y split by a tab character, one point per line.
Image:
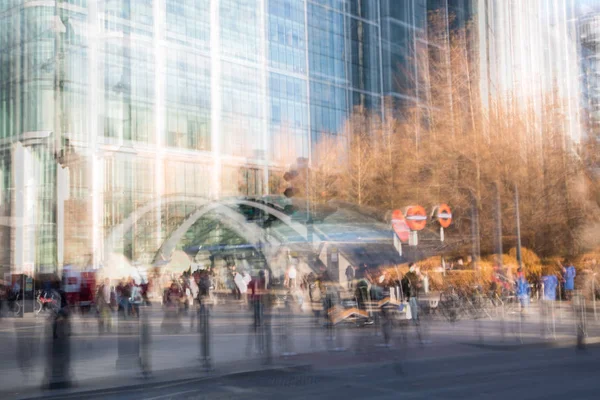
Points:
416	217
400	226
444	215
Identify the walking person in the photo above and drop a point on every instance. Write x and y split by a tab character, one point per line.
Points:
103	305
233	283
410	284
266	275
246	278
3	297
314	293
136	299
58	359
172	305
569	274
523	292
242	288
195	291
124	295
292	274
549	284
350	274
257	292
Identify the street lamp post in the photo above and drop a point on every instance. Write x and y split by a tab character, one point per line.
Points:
475	250
518	220
309	220
499	249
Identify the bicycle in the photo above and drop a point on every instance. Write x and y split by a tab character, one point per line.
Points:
476	304
46	301
450	304
15	306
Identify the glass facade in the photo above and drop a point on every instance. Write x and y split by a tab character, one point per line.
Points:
589	36
154	99
531	48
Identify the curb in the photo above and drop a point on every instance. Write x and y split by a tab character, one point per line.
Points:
150	381
555	344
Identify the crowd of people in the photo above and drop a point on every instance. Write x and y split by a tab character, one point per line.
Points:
320	292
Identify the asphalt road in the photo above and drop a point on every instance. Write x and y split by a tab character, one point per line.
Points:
527	373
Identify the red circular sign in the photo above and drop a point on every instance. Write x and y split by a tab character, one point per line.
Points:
444	215
400	226
416	218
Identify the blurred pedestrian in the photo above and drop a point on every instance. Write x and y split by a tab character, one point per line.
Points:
242	288
195	292
14	296
123	293
550	284
267	274
350	274
425	279
291	276
411	283
569	274
3	297
103	305
316	299
62	312
59	347
136	298
233	284
172	308
523	290
362	293
257	291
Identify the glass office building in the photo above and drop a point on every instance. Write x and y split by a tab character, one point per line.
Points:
110	105
589	36
529	53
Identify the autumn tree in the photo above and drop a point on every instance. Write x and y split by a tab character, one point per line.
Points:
460	149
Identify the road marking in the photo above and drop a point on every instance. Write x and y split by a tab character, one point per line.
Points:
171	395
237	389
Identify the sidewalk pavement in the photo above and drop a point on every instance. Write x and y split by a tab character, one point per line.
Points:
410	360
177	357
131	381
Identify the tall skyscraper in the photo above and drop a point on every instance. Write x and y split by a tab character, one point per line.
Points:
589	35
528	54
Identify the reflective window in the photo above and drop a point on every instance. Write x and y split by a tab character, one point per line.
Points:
286	35
364	65
328	107
366	9
326	43
188	22
288	117
239	29
337	5
242	120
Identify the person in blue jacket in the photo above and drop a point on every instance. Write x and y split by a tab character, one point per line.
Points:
569	274
523	290
550	283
